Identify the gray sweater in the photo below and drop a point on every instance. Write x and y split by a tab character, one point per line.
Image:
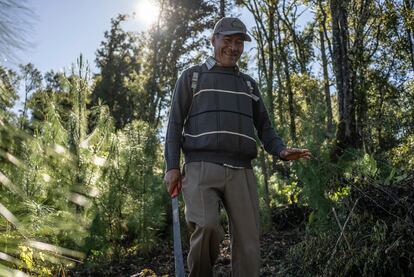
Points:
217	122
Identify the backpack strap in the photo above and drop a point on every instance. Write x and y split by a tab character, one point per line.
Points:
251	90
194	82
194	85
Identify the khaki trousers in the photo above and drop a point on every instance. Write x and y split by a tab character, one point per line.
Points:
204	186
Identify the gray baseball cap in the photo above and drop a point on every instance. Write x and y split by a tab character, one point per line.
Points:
231	26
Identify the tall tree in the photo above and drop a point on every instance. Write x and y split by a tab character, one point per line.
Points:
117	58
222	8
289	14
8	88
56	91
360	54
347	135
171	44
32	81
264	34
288	83
408	18
324	57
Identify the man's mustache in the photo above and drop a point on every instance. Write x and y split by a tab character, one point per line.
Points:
232	53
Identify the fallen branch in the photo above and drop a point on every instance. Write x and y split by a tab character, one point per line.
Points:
342	228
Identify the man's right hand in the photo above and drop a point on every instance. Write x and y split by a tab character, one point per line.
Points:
172	179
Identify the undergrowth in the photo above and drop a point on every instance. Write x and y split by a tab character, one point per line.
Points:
372	235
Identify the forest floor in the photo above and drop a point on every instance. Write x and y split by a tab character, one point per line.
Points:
274	247
380	240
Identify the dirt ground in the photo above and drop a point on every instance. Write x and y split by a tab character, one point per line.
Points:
274	246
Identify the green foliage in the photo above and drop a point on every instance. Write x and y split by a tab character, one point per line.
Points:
141	71
319	184
88	189
35	205
311	110
285	192
402	156
47	188
8	93
314	177
166	49
377	241
31	79
86	172
129	210
117	58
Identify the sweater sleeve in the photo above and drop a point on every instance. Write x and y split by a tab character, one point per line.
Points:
272	143
180	104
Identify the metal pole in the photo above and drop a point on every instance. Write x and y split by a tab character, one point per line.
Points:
178	253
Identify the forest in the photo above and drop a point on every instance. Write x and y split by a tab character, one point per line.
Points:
82	163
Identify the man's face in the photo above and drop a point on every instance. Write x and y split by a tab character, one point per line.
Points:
227	48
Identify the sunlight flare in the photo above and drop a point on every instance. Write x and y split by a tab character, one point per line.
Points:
147	11
99	161
55	249
46	177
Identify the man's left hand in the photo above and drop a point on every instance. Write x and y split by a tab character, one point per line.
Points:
291	154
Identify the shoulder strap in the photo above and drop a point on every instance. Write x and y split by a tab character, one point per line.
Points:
249	84
251	90
194	84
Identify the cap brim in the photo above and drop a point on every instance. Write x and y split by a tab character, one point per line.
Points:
246	36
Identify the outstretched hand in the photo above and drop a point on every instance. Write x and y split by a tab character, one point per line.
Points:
291	154
173	181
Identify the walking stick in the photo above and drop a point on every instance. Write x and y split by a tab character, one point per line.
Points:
178	253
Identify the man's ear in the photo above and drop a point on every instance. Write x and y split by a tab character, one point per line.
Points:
213	40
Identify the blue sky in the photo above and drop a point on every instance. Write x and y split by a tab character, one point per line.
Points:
65	28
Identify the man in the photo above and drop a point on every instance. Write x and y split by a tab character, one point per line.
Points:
219	109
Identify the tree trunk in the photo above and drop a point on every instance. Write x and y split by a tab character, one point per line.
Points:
329	117
271	60
360	65
222	8
409	6
288	86
298	47
324	16
264	14
346	135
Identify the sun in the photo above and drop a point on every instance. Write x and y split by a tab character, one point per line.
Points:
147	11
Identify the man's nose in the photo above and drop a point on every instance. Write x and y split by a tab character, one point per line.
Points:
232	45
